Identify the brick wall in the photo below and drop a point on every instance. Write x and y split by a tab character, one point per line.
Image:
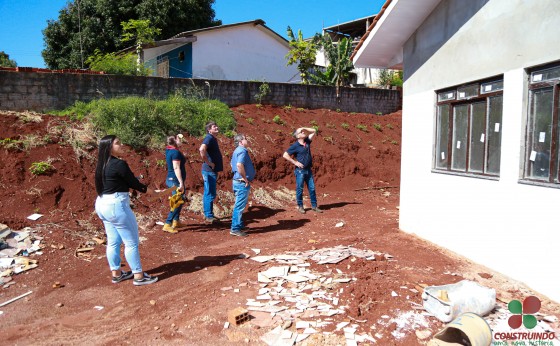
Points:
49	91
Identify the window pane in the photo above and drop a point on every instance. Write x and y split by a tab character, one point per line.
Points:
541	131
467	91
477	137
544	75
442	136
446	95
491	87
459	149
494	132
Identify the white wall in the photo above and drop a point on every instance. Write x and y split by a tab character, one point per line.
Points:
242	53
508	226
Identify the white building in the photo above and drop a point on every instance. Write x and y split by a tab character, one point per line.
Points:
480	146
242	51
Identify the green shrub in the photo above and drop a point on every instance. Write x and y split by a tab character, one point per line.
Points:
389	126
345	126
378	127
250	120
264	90
161	163
278	120
362	127
378	113
288	107
141	122
300	109
113	63
229	133
41	168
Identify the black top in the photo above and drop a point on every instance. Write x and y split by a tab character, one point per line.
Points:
302	152
119	178
214	154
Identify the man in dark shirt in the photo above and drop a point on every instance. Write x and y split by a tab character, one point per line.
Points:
212	164
299	154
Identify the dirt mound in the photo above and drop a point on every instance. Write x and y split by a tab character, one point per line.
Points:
203	271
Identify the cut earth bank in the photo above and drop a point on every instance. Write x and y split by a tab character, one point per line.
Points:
204	272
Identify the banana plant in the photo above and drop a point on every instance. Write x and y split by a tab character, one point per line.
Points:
303	54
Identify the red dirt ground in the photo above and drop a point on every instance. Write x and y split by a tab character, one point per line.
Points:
357	175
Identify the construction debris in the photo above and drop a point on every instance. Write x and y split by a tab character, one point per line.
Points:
15	249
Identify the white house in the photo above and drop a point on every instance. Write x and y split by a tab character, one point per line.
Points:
480	140
242	51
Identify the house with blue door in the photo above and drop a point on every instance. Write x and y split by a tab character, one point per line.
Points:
247	51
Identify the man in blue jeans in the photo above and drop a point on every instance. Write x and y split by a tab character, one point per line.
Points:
299	154
243	174
212	164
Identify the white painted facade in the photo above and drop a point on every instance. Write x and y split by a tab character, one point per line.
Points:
244	52
505	224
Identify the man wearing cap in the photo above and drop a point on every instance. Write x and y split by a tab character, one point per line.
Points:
299	154
243	174
212	164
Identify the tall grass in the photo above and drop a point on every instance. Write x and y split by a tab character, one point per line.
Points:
145	122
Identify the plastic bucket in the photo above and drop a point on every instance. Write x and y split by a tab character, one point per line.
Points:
467	329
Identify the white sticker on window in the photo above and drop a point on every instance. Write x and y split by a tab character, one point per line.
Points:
461	94
537	77
497	127
458	144
488	87
450	95
482	137
533	156
443	155
542	137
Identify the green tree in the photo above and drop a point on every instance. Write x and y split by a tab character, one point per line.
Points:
340	65
86	25
141	33
5	60
303	53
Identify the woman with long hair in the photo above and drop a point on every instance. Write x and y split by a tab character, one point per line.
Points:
176	175
113	179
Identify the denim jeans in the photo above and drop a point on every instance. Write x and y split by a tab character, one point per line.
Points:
209	193
304	175
241	197
173	215
120	226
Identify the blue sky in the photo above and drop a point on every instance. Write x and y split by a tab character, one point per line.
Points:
22	21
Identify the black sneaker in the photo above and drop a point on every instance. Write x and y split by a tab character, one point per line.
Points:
122	277
238	233
145	280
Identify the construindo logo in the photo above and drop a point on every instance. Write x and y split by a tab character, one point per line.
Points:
523	314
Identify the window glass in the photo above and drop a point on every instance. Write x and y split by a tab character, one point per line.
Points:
446	95
546	74
442	136
477	137
540	134
459	149
493	131
491	87
467	91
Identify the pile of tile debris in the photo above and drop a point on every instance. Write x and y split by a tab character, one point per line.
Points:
15	249
292	293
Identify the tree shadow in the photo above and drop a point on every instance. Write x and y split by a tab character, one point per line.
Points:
282	225
336	205
168	270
